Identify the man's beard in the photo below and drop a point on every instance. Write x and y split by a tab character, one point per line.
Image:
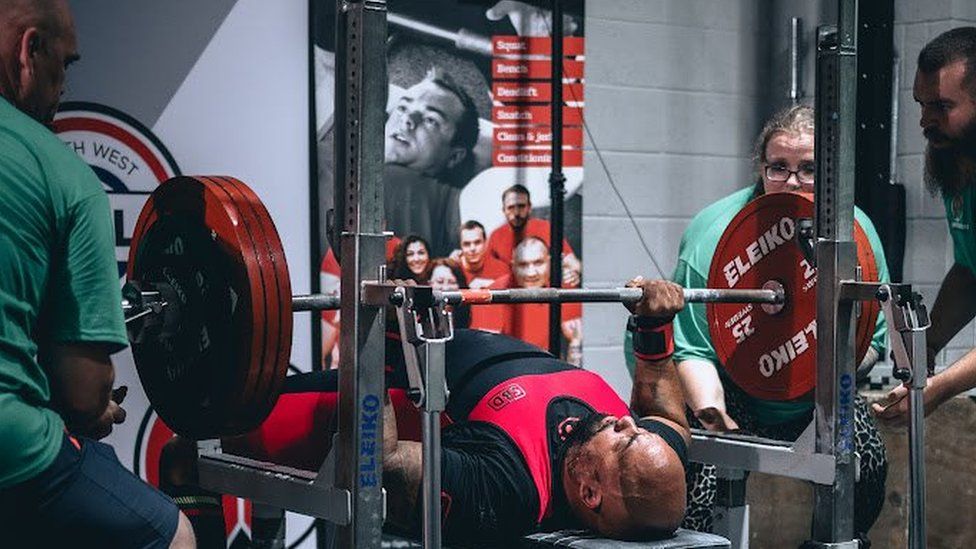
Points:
584	430
950	169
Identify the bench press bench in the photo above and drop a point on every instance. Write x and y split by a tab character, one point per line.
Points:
583	539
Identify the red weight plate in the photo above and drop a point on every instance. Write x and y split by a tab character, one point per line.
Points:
189	239
278	286
265	334
770	352
869	310
276	254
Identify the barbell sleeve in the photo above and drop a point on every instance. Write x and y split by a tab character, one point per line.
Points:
315	302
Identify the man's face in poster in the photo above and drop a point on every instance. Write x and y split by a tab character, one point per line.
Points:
516	207
472	245
530	264
421	129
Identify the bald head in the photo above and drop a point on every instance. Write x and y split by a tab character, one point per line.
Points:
36	46
652	482
622	480
530	263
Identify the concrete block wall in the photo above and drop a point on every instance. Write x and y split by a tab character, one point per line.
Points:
674	100
928	253
676	91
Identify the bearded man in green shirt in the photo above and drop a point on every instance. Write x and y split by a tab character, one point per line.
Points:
945	89
60	317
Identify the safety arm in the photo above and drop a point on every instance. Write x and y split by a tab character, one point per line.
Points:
402	471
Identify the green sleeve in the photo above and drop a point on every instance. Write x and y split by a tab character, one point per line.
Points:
691	336
960	251
960	228
629	352
881	325
85	291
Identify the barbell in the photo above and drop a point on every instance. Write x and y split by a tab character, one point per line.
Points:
209	306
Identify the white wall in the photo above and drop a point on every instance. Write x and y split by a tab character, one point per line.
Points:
673	103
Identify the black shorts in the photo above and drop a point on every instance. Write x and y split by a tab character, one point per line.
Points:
86	498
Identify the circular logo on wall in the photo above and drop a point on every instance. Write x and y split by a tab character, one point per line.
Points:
125	155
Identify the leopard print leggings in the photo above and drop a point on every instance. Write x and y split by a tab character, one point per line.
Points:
869	490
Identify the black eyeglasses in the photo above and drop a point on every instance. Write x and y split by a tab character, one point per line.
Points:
780	173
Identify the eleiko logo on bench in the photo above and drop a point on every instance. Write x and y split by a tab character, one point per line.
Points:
505	396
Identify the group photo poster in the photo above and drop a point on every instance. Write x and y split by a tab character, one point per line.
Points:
467	156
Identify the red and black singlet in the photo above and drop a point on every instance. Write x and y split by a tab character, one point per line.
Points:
510	408
525	402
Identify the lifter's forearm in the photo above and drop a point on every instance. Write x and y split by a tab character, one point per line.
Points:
954	307
657	391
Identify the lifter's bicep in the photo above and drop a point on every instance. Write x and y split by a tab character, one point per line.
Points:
402	474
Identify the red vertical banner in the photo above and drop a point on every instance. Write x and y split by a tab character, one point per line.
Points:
522	85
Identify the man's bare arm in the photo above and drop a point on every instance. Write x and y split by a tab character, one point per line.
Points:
402	472
657	393
954	307
657	389
704	393
81	377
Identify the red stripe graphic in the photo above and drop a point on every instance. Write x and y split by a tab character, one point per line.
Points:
111	130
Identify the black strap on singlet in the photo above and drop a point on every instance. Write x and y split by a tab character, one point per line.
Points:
473	350
670	436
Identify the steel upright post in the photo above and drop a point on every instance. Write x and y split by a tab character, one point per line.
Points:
361	90
833	523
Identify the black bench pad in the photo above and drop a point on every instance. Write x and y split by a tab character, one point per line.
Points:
582	539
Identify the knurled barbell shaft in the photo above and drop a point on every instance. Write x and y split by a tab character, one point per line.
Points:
325	302
321	302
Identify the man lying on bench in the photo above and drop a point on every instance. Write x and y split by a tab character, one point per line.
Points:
529	442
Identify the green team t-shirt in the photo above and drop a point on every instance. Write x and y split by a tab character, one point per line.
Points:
691	335
58	282
959	214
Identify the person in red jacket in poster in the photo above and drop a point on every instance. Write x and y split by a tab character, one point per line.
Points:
530	321
330	277
481	269
517	207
